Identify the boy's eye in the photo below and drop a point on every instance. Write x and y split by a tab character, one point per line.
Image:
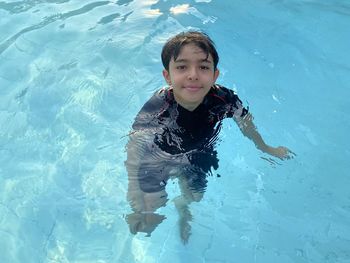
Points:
204	67
181	67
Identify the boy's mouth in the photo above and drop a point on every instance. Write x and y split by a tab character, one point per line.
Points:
192	88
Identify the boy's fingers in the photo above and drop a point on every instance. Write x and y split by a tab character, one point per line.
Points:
290	154
293	153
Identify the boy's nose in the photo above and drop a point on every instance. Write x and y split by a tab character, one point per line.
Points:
193	74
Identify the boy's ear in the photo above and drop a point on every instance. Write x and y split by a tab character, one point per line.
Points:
216	74
166	76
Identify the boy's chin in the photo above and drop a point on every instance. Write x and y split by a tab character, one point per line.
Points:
194	99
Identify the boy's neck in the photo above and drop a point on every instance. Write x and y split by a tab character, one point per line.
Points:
187	106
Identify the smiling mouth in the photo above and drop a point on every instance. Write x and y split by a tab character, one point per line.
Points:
192	88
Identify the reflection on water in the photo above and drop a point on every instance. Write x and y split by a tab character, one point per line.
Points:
180	9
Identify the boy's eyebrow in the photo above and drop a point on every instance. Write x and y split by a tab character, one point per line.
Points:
186	60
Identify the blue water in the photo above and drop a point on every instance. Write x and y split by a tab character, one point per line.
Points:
73	74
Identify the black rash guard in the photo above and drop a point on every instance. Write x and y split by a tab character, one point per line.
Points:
175	131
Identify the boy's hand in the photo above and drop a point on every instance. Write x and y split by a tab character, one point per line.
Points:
280	152
145	223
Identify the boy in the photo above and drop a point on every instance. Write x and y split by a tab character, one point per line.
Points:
176	130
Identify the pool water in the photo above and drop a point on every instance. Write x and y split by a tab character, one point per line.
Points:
73	75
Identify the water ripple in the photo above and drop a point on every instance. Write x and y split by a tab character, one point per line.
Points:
108	19
22	6
50	19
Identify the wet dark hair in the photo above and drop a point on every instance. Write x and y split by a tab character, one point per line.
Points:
173	46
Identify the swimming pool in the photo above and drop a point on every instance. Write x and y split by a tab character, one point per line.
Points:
72	77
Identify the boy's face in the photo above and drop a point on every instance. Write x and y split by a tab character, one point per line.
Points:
191	76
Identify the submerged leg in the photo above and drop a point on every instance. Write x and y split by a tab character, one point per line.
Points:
189	194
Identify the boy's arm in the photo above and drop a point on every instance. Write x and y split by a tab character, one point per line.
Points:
138	147
249	130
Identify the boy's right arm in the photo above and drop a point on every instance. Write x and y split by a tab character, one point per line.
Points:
140	140
143	218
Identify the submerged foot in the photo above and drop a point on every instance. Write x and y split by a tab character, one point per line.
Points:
184	220
185	230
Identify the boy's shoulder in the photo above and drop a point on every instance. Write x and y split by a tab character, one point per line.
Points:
226	101
222	93
163	92
155	102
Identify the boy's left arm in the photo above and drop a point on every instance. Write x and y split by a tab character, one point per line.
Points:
249	130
